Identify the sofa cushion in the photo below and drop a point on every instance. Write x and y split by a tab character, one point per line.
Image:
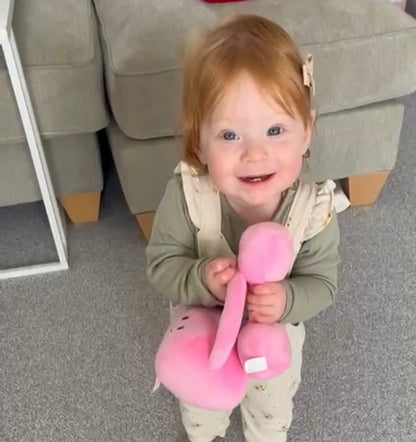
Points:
355	141
364	52
61	57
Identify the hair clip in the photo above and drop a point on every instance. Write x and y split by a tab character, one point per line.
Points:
307	70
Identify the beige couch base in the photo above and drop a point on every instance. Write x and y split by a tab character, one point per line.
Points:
74	162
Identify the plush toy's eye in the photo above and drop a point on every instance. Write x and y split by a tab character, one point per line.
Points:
180	328
185	317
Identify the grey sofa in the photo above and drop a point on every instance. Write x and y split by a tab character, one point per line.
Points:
62	60
364	59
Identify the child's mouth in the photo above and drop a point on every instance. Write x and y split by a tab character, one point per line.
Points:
257	178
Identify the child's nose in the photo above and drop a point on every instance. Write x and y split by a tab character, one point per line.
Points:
254	151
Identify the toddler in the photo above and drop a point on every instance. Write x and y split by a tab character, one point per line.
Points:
247	122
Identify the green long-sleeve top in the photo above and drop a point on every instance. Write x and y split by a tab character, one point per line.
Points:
177	272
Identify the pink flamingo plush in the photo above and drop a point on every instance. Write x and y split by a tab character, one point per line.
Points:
204	358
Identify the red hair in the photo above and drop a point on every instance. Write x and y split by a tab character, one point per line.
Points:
247	43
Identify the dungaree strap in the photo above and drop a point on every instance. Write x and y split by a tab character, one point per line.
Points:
299	213
310	212
204	208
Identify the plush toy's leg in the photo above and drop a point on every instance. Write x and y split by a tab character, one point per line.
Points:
267	407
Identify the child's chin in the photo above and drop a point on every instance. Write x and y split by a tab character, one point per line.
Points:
256	201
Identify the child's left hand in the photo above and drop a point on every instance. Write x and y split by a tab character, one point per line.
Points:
266	302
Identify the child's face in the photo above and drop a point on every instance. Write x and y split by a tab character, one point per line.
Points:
253	149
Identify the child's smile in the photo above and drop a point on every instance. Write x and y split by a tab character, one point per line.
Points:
259	179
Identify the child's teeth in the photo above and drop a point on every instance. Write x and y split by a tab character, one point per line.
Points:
255	179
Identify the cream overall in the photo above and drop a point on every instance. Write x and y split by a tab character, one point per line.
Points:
267	406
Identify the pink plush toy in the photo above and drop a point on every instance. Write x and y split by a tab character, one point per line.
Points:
199	360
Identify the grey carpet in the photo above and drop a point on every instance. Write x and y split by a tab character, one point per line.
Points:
77	346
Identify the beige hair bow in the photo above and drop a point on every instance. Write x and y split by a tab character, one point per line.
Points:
307	70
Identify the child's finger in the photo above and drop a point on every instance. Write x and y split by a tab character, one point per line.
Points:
223	263
265	319
267	288
261	300
226	275
257	316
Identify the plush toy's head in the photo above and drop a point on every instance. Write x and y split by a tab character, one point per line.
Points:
182	361
266	253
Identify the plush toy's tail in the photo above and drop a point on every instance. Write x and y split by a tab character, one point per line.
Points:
230	321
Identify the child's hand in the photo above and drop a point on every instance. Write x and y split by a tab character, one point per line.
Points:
266	302
218	273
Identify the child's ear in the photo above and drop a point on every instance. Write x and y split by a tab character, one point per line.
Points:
308	131
313	118
201	155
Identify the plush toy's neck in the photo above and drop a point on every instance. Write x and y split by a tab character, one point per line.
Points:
230	321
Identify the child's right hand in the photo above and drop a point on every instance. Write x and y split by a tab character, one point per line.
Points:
218	273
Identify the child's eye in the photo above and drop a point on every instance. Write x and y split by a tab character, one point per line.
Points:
274	131
229	135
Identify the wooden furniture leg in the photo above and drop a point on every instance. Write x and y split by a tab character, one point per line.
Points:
145	221
82	207
363	190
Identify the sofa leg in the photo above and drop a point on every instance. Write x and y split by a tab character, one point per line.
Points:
145	220
82	207
363	190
